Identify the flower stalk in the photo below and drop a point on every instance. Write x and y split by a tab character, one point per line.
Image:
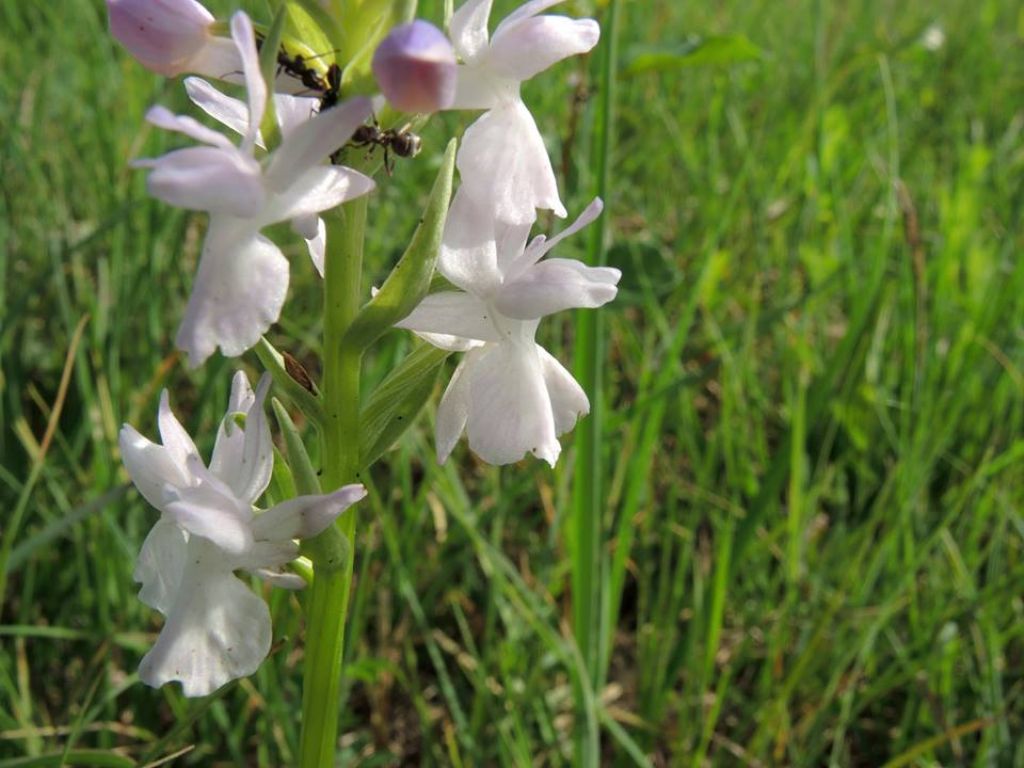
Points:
331	552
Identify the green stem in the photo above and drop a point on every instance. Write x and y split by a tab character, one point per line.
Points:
585	534
331	551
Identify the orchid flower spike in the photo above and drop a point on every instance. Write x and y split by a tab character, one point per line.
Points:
243	277
216	628
508	394
171	37
502	159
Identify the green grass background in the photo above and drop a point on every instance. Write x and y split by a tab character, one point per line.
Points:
813	441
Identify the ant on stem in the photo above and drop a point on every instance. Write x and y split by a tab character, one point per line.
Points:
401	142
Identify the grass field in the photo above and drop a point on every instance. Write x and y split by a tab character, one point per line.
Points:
813	444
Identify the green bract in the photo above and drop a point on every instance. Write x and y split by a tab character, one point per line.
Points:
410	280
394	405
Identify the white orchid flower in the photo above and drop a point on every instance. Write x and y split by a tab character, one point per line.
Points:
508	394
503	159
242	279
216	629
291	112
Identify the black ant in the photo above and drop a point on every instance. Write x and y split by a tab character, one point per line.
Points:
296	67
332	88
329	85
403	142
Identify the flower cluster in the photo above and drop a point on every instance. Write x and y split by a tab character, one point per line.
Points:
508	395
217	629
243	277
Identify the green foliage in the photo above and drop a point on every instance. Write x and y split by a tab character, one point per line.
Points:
396	401
309	25
297	461
813	426
695	51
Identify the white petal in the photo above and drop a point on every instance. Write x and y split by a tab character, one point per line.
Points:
305	516
468	28
511	243
293	111
452	313
316	189
242	397
476	88
238	292
311	142
568	400
234	113
243	457
468	255
228	450
150	466
211	511
216	631
555	285
282	579
505	166
245	41
161	565
453	410
525	11
207	179
542	246
317	246
163	35
269	554
524	48
219	59
306	226
162	117
449	342
253	476
509	408
173	436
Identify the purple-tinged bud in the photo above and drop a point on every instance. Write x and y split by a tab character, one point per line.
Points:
415	68
164	35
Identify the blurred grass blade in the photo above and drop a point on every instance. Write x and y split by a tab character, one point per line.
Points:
87	758
695	52
14	523
61	526
584	532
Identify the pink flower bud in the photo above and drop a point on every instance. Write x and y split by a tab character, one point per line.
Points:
164	35
415	68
